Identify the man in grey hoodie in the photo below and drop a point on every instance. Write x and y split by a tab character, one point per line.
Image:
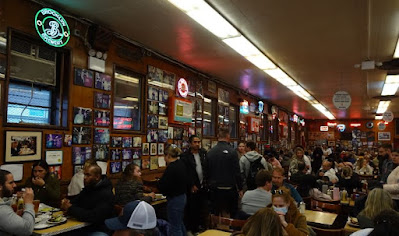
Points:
10	222
247	158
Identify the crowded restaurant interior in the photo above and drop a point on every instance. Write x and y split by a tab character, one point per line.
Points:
199	117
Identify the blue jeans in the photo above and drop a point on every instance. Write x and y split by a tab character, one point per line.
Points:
176	213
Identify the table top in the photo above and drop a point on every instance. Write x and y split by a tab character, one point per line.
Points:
320	217
214	232
71	224
157	202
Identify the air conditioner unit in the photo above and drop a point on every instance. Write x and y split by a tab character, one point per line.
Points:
32	63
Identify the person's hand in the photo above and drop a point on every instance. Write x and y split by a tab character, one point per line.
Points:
194	189
240	193
321	173
38	181
152	194
282	219
28	196
65	204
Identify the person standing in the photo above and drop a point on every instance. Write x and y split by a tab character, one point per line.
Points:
174	185
224	177
10	222
241	149
326	151
196	209
317	158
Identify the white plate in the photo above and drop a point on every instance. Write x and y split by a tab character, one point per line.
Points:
63	219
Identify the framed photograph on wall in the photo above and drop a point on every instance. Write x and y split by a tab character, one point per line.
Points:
101	152
146	149
55	170
101	135
54	157
23	146
82	116
81	135
102	100
153	149
83	77
115	167
163	122
103	81
101	118
53	140
80	155
384	136
161	147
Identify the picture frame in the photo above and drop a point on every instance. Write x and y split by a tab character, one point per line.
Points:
127	142
169	80
102	118
81	135
145	163
136	141
101	135
152	107
68	140
153	93
101	152
126	154
23	146
54	157
125	163
116	154
384	136
162	136
53	140
82	116
136	153
116	142
153	162
152	136
153	149
152	121
80	155
163	95
162	109
83	77
102	81
137	162
102	100
115	167
162	122
146	149
161	149
56	171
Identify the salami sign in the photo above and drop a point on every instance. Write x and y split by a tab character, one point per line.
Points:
342	100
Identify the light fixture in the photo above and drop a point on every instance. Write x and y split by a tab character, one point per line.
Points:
378	117
209	18
126	78
391	85
132	99
383	106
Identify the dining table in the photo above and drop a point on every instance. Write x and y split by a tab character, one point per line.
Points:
329	220
70	225
214	232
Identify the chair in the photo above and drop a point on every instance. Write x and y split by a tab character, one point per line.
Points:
226	224
334	207
328	232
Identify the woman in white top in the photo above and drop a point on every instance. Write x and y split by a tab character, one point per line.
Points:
392	185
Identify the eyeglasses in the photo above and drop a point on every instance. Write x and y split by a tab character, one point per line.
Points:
279	191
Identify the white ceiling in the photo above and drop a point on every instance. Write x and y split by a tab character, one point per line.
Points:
316	42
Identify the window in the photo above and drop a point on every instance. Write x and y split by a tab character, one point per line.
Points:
127	101
35	94
209	124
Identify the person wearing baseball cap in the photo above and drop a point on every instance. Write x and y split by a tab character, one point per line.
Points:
138	219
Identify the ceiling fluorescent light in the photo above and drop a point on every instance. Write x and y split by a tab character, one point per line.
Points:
133	99
206	16
261	61
383	106
126	78
242	46
396	53
378	117
281	77
391	85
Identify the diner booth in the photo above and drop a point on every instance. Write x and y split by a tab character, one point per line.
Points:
93	93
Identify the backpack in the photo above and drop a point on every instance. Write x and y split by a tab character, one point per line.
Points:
254	167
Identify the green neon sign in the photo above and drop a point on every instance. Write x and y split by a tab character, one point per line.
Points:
52	27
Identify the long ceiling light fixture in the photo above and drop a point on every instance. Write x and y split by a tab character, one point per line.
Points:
210	19
390	87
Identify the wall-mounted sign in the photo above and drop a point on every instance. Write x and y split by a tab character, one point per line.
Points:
295	118
181	110
324	128
252	107
342	100
260	106
253	125
384	136
244	109
182	87
381	125
355	124
387	116
370	124
52	27
341	127
331	124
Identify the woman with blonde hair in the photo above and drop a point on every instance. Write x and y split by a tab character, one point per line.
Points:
377	201
293	222
264	222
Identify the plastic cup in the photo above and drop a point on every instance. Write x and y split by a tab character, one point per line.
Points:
36	204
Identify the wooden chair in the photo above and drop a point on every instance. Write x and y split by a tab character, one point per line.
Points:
333	207
226	224
328	232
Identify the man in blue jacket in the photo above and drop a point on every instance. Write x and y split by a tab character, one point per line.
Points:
278	181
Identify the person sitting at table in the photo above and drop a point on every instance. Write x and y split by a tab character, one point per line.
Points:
95	203
272	159
264	222
349	180
278	182
138	218
130	187
377	201
253	200
327	171
299	156
302	180
10	222
292	220
386	223
363	167
392	184
45	185
77	184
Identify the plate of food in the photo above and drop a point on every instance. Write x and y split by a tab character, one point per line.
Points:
353	222
57	218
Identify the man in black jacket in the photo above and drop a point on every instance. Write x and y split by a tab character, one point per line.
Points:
196	208
224	177
95	202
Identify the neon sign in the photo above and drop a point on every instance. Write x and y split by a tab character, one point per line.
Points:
341	127
260	106
355	124
323	128
331	124
244	107
52	27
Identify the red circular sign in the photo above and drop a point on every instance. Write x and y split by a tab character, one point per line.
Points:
182	87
